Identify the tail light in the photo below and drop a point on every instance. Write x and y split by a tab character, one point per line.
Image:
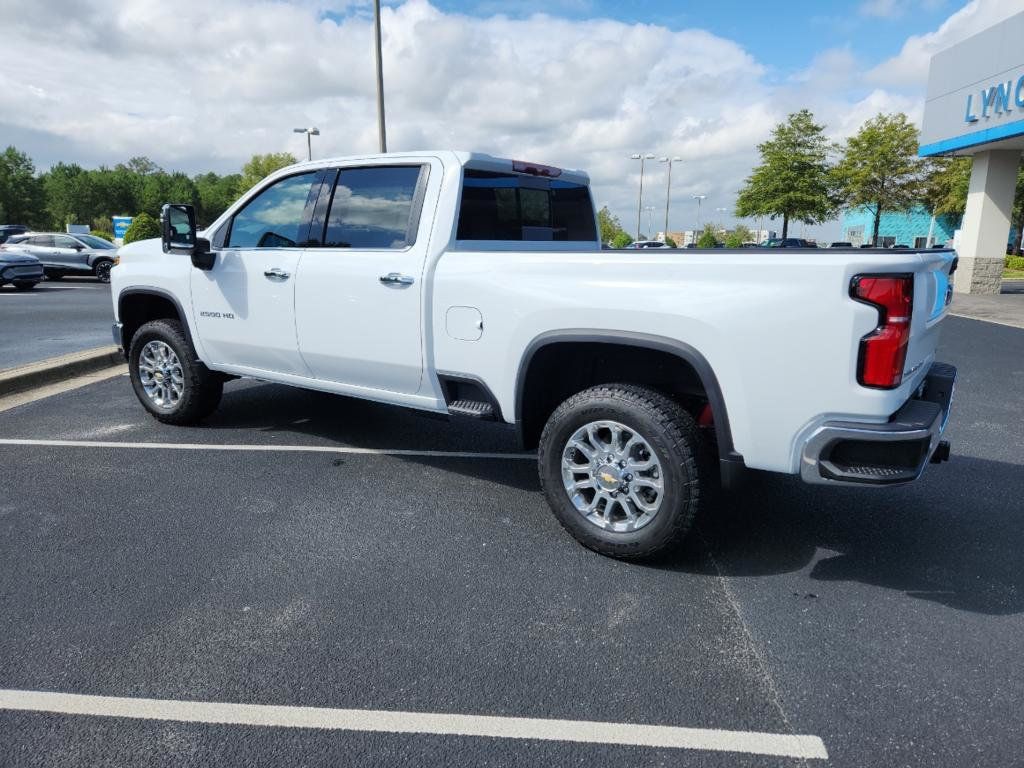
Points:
536	169
883	352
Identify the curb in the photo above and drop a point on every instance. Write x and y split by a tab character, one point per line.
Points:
58	368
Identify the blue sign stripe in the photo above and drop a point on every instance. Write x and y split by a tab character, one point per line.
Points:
996	132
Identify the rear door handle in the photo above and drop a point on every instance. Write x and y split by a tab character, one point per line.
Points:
276	273
394	278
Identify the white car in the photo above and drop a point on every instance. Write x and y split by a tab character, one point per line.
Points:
473	286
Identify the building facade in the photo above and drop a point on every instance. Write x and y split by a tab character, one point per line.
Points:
911	228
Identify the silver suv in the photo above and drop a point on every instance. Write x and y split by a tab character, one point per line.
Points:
63	254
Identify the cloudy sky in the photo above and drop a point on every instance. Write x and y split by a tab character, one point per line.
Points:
204	84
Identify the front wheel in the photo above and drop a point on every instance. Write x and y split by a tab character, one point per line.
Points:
624	469
102	270
169	380
23	286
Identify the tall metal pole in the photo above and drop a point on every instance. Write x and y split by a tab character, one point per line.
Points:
640	201
696	231
668	188
380	78
309	145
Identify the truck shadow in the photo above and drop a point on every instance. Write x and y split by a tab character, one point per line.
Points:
954	538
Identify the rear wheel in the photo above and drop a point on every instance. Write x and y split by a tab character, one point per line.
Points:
102	270
624	469
170	382
23	286
52	275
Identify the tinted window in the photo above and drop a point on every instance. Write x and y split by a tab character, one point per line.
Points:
274	218
63	241
45	241
372	208
96	242
508	206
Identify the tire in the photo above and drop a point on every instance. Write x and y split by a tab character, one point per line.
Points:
200	388
51	275
22	286
102	270
667	433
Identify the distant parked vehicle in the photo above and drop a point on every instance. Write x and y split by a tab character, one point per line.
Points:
901	246
788	242
63	254
647	244
841	244
21	269
9	230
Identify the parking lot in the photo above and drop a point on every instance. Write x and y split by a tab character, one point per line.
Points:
55	318
303	550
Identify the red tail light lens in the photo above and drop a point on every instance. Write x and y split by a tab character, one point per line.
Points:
883	352
536	169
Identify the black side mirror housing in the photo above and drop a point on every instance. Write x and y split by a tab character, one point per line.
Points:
178	232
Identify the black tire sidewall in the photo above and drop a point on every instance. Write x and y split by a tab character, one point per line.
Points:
96	270
159	332
675	467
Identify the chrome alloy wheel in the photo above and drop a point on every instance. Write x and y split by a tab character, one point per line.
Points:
612	476
161	375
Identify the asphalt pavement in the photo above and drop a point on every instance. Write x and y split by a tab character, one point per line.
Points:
304	565
55	318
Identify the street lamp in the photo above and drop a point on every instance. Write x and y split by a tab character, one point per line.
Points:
668	188
699	199
309	142
650	222
640	202
380	78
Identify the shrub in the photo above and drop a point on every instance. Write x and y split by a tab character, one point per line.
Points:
670	242
108	236
1015	262
707	240
143	227
621	240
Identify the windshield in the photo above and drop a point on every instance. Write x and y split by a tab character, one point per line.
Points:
97	242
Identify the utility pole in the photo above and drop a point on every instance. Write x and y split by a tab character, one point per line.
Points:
310	132
668	188
380	78
696	230
640	202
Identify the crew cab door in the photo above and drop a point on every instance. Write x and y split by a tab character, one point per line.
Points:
244	307
359	294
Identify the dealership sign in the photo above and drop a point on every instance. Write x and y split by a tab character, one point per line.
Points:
996	99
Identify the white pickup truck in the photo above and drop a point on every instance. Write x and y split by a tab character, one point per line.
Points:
473	286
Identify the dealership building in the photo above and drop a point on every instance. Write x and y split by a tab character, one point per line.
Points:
975	106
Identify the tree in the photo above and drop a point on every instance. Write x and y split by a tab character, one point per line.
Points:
22	197
1018	210
793	179
216	194
880	170
708	238
736	237
670	242
142	227
610	225
622	239
945	186
261	166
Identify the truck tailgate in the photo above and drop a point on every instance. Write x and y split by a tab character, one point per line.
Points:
933	291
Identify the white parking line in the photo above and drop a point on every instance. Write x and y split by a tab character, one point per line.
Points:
264	448
589	732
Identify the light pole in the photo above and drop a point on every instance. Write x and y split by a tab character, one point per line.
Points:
696	229
650	222
668	187
309	142
380	78
640	202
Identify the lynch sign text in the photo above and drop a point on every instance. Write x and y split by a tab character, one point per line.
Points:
996	99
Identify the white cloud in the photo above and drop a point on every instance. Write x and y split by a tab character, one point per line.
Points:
195	88
884	9
910	66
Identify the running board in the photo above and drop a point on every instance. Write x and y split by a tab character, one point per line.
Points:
473	409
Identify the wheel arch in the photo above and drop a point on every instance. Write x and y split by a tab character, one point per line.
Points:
137	306
689	360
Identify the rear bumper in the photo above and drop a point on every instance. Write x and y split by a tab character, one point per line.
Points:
883	454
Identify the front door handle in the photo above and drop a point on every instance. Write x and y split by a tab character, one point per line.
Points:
276	273
394	278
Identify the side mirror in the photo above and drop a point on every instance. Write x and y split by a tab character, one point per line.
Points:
178	232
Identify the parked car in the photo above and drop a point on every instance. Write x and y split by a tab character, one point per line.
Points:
62	254
644	382
788	242
841	244
8	230
20	269
647	244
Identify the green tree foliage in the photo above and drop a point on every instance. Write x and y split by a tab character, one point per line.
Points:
945	186
108	236
708	238
216	194
621	239
736	237
880	170
793	179
610	225
261	166
142	227
22	197
671	243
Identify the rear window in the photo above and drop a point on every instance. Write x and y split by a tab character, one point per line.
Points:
509	206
